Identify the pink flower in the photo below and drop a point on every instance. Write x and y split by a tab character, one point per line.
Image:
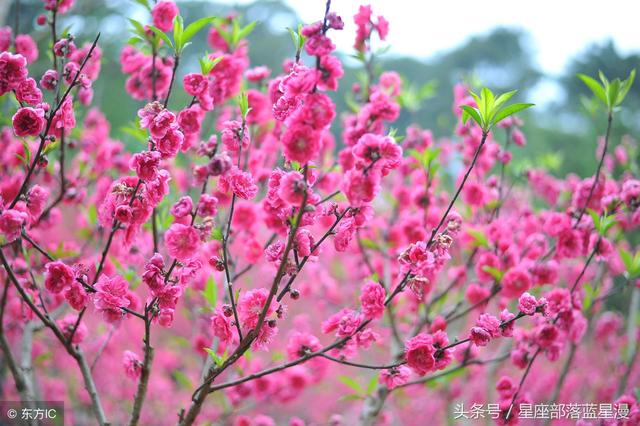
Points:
382	27
394	377
161	123
507	325
487	259
348	323
630	193
5	38
57	276
163	14
419	353
132	365
344	323
182	241
28	121
546	335
49	80
208	205
569	244
332	71
505	387
518	137
258	73
232	132
111	297
26	47
146	164
300	344
487	327
372	297
195	84
36	200
219	165
301	143
442	356
515	282
479	336
76	296
527	304
379	151
28	92
68	325
60	6
361	188
474	194
153	275
221	326
250	305
241	183
13	69
171	142
190	120
292	188
182	208
11	222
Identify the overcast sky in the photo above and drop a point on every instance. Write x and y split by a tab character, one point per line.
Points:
559	28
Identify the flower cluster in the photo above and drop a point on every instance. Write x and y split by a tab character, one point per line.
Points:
249	246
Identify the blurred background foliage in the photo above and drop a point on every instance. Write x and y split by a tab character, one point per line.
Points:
563	123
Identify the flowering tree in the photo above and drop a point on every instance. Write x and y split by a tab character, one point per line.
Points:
241	263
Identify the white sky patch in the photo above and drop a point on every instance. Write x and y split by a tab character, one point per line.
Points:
559	29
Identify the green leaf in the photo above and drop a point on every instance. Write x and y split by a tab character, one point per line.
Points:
207	64
495	273
216	234
135	40
137	27
50	147
178	28
627	260
607	223
510	110
370	244
487	103
27	152
217	359
596	219
595	87
164	37
92	215
352	384
182	379
243	102
351	397
210	292
468	111
144	3
194	27
626	85
479	238
502	99
373	382
589	294
613	91
244	32
223	33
